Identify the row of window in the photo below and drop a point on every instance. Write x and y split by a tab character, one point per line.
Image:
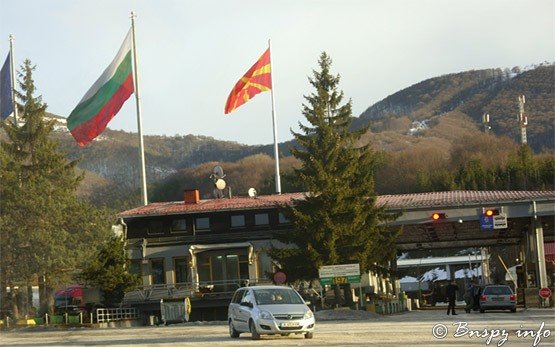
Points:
157	270
214	266
203	223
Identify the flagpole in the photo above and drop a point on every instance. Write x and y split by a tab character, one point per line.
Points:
274	121
139	119
12	73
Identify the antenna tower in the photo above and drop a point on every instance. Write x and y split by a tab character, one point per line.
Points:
522	119
485	122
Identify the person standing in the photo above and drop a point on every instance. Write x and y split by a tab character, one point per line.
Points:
451	292
469	295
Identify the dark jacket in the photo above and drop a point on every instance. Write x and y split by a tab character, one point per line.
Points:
451	291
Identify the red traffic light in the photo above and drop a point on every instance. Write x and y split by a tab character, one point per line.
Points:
438	216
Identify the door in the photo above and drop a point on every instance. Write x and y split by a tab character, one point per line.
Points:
223	269
244	311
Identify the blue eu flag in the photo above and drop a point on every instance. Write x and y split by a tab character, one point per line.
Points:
6	101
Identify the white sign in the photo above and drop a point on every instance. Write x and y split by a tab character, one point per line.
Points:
339	270
500	221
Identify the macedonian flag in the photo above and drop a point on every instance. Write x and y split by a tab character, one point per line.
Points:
258	79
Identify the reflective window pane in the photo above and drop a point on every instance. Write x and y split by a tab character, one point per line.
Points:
157	271
261	219
237	221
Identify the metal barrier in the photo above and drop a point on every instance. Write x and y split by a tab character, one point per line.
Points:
175	311
104	315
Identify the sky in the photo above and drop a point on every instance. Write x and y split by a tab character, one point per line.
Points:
191	53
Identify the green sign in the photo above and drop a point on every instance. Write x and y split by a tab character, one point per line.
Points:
340	280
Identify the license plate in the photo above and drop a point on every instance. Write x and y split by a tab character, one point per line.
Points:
289	324
497	299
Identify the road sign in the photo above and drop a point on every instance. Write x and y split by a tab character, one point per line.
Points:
500	221
340	280
339	270
339	274
545	293
486	222
280	277
493	222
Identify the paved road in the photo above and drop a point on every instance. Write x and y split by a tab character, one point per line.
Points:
410	328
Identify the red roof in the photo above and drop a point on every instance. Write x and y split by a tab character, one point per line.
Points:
400	201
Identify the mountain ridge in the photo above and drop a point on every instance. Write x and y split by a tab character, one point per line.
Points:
407	116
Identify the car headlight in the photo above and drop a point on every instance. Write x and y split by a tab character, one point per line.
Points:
308	314
266	315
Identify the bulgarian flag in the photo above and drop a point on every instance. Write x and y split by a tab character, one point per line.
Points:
258	79
105	98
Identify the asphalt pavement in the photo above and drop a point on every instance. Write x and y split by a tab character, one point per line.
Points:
527	327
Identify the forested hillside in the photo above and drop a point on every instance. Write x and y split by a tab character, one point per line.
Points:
474	93
425	134
453	153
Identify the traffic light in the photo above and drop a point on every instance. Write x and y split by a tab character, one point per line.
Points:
490	212
438	216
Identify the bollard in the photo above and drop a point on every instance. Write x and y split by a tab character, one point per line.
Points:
65	318
46	318
81	318
92	318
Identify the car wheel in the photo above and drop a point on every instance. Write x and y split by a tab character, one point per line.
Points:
232	332
513	310
284	334
482	311
309	335
254	334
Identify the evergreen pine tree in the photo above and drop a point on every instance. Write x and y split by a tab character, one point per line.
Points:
338	222
108	271
44	229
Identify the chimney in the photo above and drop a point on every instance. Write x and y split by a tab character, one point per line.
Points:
191	196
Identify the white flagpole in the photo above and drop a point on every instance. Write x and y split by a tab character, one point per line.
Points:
12	72
274	120
139	119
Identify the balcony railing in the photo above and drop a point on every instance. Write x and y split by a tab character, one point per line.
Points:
205	289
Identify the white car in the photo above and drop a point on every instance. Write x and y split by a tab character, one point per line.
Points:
269	310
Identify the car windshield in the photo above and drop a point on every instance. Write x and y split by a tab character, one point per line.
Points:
277	296
62	301
497	291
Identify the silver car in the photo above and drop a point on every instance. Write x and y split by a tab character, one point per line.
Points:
269	310
497	297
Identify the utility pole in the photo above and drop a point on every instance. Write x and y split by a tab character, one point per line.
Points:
522	119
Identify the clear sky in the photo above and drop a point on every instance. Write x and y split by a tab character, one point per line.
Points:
191	53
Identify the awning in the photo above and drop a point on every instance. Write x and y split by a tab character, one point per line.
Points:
549	251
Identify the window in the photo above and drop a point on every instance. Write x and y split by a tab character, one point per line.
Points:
277	296
247	298
224	267
155	227
135	267
139	229
500	290
238	221
179	225
157	274
202	223
238	296
180	269
283	219
261	219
